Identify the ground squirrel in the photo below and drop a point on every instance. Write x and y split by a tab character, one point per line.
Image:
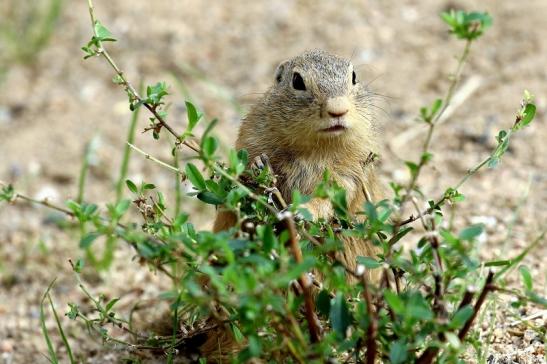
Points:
316	116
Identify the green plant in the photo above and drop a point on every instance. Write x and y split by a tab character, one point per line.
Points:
258	286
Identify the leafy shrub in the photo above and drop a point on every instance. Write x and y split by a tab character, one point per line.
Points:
254	280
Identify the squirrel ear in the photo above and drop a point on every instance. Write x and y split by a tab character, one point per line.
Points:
279	71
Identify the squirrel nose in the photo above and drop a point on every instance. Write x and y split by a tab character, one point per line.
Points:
337	106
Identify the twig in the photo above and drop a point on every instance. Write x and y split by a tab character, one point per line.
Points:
67	212
433	123
152	158
314	326
488	287
443	199
467	297
373	325
132	91
45	202
542	313
430	353
466	90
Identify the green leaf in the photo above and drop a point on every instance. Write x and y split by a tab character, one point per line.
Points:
340	317
180	219
412	167
52	354
453	340
237	166
243	156
194	175
493	162
193	115
73	312
73	206
435	107
78	266
88	239
266	234
7	193
88	209
426	157
323	302
132	187
155	94
121	207
394	301
467	25
102	33
369	262
526	116
526	277
235	196
111	304
400	234
370	211
209	146
471	232
148	186
210	198
398	352
118	80
461	317
238	335
497	263
417	308
534	297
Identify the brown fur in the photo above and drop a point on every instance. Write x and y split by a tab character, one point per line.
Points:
286	126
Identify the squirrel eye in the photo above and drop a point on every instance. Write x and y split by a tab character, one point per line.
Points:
298	82
353	78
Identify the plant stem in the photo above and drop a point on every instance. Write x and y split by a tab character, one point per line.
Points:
178	189
373	325
440	202
131	90
127	153
83	175
314	326
431	352
148	156
488	287
446	102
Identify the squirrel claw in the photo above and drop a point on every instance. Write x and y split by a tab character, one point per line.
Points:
261	161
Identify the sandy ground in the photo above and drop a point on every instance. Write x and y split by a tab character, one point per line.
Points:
52	107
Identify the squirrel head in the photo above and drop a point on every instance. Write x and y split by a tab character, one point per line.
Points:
318	97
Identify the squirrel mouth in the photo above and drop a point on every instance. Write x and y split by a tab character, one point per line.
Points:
334	129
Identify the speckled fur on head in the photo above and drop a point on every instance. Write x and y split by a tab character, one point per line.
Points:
294	118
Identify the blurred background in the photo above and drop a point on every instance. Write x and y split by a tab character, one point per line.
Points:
222	55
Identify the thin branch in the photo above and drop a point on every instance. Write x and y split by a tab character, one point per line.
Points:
372	328
45	202
67	212
488	287
152	158
314	326
430	353
132	91
446	102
